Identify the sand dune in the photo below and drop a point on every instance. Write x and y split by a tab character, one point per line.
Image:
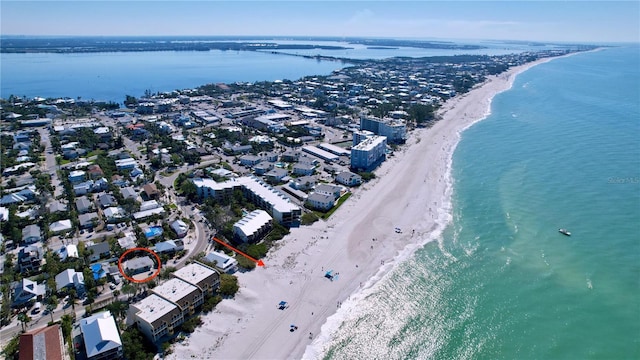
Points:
412	191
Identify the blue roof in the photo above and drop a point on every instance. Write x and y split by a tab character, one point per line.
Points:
98	272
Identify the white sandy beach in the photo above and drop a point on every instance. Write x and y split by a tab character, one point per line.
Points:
412	191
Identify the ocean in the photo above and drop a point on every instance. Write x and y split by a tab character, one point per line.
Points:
560	149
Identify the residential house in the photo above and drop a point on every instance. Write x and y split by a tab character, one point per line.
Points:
101	337
290	156
95	172
31	234
70	279
320	201
42	343
304	169
30	258
276	175
84	205
67	251
348	178
328	189
262	168
89	220
106	200
250	160
118	180
303	183
169	246
83	188
151	191
128	193
26	291
223	261
180	228
56	207
114	214
77	176
98	250
252	227
138	265
60	226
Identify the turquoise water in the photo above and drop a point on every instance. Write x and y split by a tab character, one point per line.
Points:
561	149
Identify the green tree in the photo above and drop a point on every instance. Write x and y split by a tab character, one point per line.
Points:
228	285
10	350
24	319
50	307
135	346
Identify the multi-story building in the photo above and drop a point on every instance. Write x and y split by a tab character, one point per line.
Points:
155	317
348	178
256	191
360	136
30	258
368	154
101	337
200	275
186	296
395	130
252	226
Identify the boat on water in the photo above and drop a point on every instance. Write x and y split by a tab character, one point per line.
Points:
564	231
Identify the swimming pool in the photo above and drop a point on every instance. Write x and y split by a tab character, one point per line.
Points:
153	231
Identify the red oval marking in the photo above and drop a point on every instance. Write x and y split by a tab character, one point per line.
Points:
147	278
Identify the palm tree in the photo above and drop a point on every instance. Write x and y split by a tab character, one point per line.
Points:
72	298
24	319
50	308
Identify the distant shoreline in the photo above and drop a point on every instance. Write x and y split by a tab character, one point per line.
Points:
68	45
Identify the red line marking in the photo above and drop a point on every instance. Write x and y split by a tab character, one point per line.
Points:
258	262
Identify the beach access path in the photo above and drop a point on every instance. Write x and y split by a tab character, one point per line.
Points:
412	192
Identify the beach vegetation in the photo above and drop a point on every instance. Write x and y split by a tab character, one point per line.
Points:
190	325
136	346
228	285
309	218
210	302
245	263
366	176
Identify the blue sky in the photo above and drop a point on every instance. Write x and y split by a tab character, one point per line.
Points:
580	21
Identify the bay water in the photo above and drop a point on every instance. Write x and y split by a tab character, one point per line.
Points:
561	149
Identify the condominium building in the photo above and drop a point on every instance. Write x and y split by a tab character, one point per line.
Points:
368	154
186	296
395	130
256	191
156	317
252	226
204	277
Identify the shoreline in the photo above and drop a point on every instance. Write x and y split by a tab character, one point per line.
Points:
251	326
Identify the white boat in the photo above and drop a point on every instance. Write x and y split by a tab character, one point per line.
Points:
564	231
